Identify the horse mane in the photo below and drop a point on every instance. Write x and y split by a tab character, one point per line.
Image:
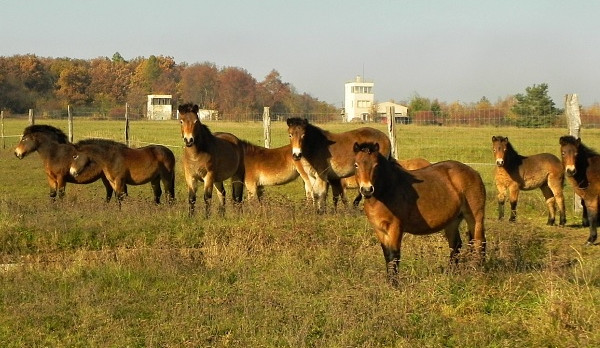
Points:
387	166
100	142
57	134
513	158
314	137
188	107
251	148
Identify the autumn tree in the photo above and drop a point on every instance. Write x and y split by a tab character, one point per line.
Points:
237	89
274	93
73	83
200	84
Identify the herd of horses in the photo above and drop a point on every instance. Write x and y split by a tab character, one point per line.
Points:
411	196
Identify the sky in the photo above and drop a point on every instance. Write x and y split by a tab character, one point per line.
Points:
453	50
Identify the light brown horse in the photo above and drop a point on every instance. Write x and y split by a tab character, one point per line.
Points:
515	172
409	164
56	153
123	165
268	167
330	155
210	158
423	201
582	168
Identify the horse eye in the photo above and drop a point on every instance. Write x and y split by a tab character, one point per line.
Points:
355	165
290	135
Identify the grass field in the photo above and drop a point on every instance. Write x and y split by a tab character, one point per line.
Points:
79	272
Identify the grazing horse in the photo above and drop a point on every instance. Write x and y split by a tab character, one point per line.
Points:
267	167
582	168
419	202
123	165
211	158
57	152
409	164
515	172
330	154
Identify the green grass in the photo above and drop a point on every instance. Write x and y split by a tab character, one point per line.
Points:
80	272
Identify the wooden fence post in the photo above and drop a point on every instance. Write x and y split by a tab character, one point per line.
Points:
127	123
70	122
267	127
31	118
574	123
2	129
391	120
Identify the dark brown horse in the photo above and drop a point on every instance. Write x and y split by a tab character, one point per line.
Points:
330	154
515	172
582	168
123	165
409	164
210	158
267	167
423	201
57	152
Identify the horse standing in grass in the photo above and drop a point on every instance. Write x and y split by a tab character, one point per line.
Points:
57	152
419	202
409	164
582	167
515	172
267	167
123	165
330	155
211	158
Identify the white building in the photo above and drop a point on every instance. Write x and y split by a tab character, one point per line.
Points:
400	112
358	100
159	107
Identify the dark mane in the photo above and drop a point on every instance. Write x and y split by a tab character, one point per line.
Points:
187	108
57	134
100	142
512	158
583	149
368	147
314	137
251	148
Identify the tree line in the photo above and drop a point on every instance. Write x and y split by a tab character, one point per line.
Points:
106	84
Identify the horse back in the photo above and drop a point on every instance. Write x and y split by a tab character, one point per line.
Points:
536	170
340	152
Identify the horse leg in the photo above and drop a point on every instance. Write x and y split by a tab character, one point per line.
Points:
592	210
109	189
320	189
338	192
192	185
501	199
208	188
452	234
119	188
513	193
60	184
392	261
550	202
221	195
237	186
53	185
168	181
155	183
585	221
357	200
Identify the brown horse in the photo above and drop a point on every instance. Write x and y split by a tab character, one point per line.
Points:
57	152
515	172
267	167
409	164
123	165
210	158
582	168
330	155
419	202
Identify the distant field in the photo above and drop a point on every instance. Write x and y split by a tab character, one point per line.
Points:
82	273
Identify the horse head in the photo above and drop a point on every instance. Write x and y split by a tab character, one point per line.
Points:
569	147
188	117
499	146
78	163
296	132
366	158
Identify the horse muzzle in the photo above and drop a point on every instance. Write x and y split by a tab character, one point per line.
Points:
367	191
570	171
19	154
499	162
188	142
296	156
74	172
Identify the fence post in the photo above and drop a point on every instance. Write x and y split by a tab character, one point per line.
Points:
70	122
2	129
267	127
391	115
574	123
127	123
31	118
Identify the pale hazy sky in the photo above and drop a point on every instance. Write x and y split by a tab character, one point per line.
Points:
446	50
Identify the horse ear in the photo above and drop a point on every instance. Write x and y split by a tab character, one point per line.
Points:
493	138
288	121
356	148
195	108
578	142
305	121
